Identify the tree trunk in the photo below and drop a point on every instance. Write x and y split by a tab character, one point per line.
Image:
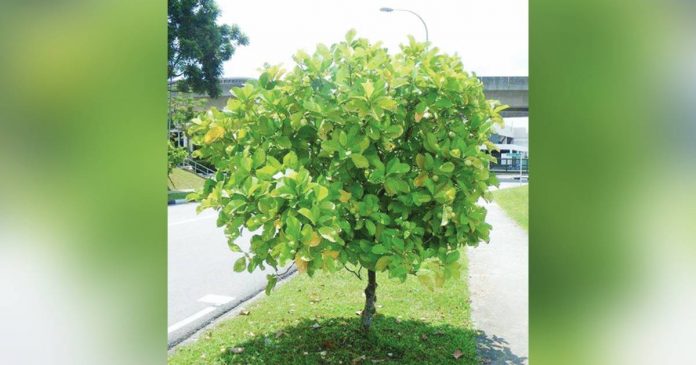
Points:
370	299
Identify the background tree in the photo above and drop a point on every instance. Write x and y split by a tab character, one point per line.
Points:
198	46
356	159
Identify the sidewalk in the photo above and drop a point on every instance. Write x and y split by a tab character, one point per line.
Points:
498	286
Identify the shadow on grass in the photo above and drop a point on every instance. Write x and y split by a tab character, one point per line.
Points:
496	350
340	340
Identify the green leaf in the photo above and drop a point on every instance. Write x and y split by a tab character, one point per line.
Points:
350	35
290	160
394	131
360	161
394	167
329	233
452	257
293	227
370	226
387	104
266	172
420	198
379	249
240	264
271	283
307	213
446	167
259	157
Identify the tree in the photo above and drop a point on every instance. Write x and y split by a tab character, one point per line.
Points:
182	108
198	45
355	159
175	156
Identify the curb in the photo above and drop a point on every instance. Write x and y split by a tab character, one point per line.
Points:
228	312
178	201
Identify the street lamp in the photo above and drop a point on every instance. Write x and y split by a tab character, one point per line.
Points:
389	10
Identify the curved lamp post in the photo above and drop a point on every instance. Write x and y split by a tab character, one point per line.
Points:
389	10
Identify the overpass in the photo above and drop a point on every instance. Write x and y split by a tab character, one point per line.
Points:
509	90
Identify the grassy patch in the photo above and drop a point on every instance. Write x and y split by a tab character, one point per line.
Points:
174	195
314	321
184	180
515	202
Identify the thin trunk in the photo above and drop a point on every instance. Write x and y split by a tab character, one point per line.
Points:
370	299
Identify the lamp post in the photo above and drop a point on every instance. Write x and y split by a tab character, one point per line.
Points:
389	10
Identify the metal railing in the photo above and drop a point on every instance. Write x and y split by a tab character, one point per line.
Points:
511	165
197	168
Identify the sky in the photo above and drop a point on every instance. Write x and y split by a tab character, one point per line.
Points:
489	35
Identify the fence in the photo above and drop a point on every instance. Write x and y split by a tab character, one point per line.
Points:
511	165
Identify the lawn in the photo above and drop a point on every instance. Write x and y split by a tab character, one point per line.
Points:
314	321
515	202
184	180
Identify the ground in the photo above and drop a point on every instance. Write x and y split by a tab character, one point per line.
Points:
515	202
184	180
314	321
181	182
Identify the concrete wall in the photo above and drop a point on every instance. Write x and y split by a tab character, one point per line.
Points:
509	90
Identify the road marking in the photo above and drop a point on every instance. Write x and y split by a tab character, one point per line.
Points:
216	300
190	319
193	220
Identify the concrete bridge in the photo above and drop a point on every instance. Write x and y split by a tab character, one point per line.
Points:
509	90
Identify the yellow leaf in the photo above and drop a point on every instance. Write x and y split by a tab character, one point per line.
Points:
301	264
315	240
420	179
322	193
369	88
382	263
420	161
345	196
215	133
241	133
330	253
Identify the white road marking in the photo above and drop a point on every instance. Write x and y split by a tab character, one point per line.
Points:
190	319
193	220
216	300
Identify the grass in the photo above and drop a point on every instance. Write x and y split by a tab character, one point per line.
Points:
314	321
174	195
184	180
515	202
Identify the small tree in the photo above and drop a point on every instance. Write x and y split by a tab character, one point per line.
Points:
354	159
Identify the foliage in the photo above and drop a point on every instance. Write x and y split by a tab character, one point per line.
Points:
198	46
175	156
355	157
183	108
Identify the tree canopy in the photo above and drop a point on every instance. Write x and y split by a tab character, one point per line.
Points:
356	158
198	46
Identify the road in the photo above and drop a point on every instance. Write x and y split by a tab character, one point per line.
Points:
201	283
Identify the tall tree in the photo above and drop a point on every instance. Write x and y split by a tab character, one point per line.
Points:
198	45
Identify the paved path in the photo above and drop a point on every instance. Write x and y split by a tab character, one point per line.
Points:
201	283
498	285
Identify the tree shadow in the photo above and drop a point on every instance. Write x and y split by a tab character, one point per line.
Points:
496	350
342	341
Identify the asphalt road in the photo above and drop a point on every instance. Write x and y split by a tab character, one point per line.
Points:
201	283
